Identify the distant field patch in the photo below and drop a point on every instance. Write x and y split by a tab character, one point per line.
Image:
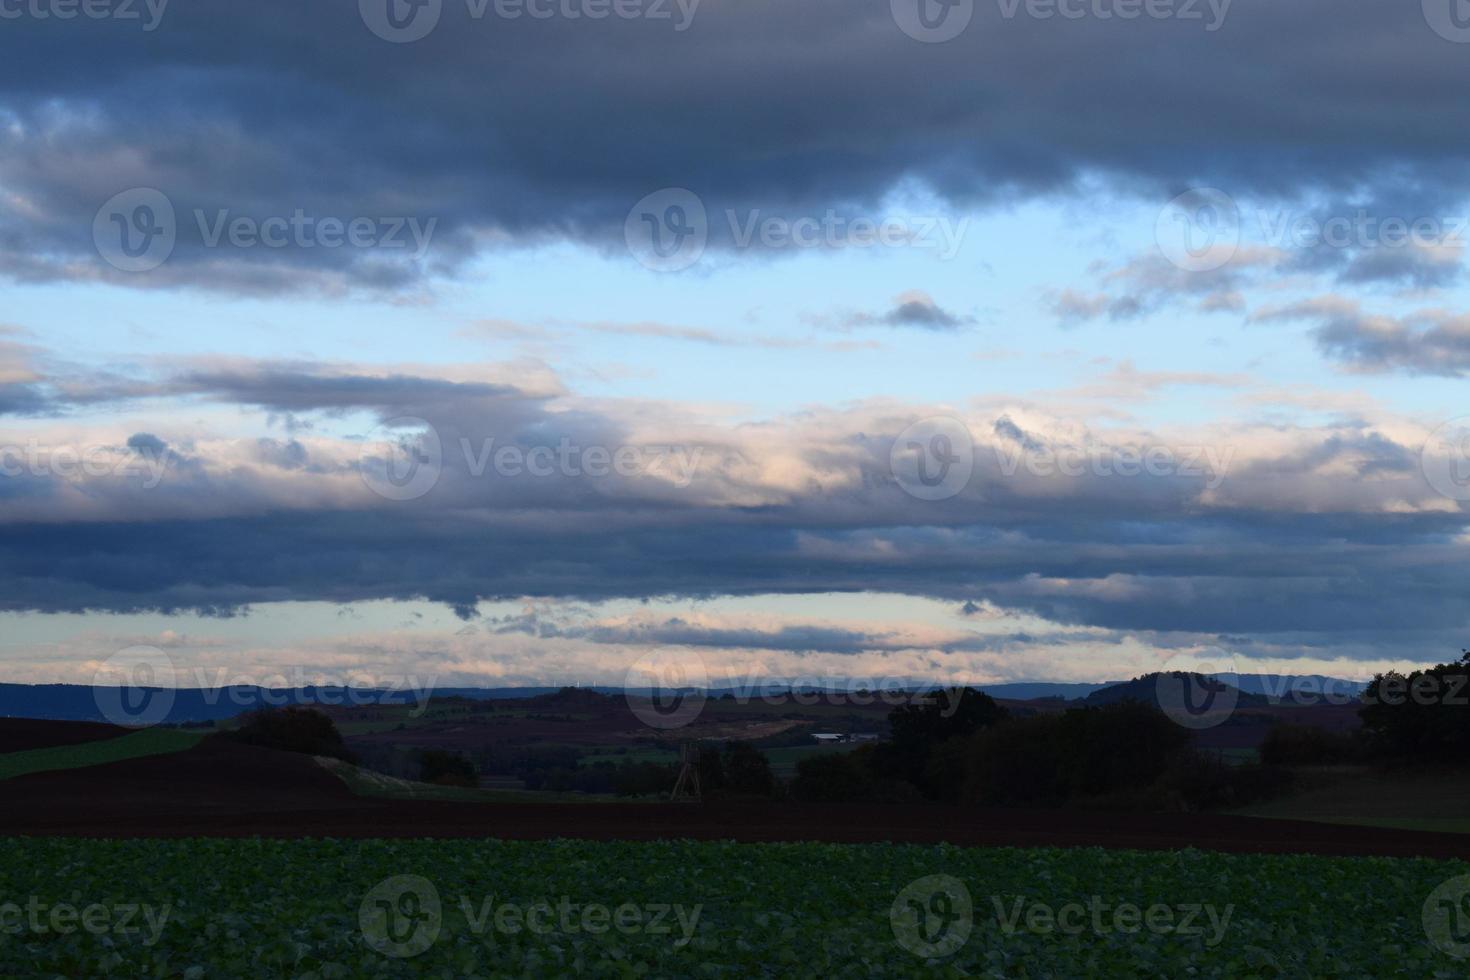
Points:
784	759
135	745
366	782
636	754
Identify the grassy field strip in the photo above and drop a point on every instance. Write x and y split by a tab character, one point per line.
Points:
134	745
1430	800
1438	825
318	909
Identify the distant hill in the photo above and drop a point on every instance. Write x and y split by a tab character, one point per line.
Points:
1146	689
1280	687
1273	688
79	702
1034	690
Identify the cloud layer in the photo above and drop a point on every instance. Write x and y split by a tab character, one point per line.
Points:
532	129
1241	528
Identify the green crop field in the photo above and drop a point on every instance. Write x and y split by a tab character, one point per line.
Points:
134	745
253	908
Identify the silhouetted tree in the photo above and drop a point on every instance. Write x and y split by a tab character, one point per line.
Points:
1422	717
918	728
292	729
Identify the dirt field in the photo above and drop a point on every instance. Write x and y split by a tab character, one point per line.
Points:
23	734
235	790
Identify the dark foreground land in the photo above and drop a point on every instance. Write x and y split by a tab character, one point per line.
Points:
218	789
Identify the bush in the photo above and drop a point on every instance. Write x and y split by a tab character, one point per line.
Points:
447	769
303	730
747	771
643	779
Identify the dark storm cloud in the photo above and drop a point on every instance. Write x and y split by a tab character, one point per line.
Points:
1246	574
548	128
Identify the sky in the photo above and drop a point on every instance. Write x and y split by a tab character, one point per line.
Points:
531	342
